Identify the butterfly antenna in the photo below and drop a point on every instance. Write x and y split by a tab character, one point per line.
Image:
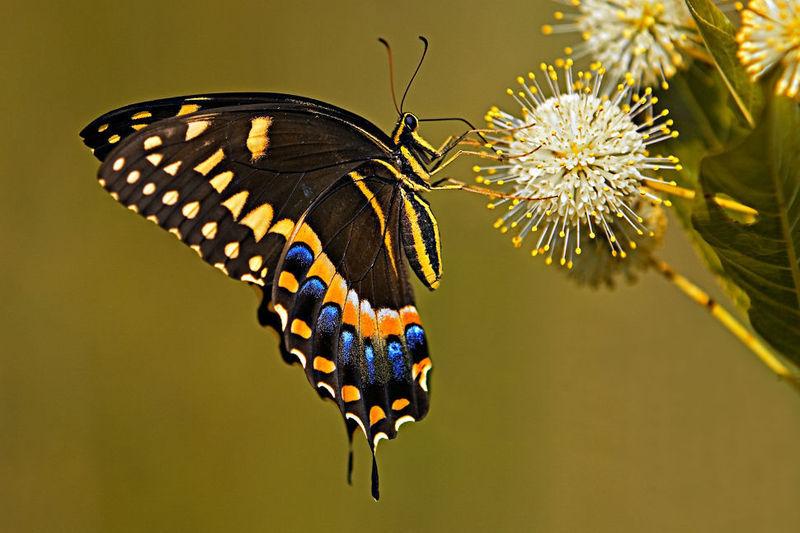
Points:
391	72
421	59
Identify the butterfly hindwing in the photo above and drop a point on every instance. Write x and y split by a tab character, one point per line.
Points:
345	305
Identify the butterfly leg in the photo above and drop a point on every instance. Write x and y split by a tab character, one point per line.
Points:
497	157
455	185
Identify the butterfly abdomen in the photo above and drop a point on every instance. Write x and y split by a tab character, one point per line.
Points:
421	239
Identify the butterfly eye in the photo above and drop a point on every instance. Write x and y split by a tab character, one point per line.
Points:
411	122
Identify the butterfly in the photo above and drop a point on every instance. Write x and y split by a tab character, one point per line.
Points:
317	208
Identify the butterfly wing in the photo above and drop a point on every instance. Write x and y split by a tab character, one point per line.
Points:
347	309
284	198
103	134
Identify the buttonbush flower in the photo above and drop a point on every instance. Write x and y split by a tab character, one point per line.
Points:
598	267
577	163
770	34
649	39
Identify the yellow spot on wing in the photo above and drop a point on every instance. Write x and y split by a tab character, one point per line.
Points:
250	278
196	128
283	227
133	176
281	312
235	203
323	385
170	198
206	166
172	168
138	127
151	142
114	138
257	139
221	180
297	353
232	250
119	163
259	220
142	114
255	262
209	230
387	238
149	189
191	209
187	108
102	128
154	159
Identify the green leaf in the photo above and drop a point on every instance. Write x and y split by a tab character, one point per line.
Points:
719	36
762	171
701	107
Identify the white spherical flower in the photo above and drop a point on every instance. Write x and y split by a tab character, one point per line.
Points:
649	39
598	267
770	35
575	163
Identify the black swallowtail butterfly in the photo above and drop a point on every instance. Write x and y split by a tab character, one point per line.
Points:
313	205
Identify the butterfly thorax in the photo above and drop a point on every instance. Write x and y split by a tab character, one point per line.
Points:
412	153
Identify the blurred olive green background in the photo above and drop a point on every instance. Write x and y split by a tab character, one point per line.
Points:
137	392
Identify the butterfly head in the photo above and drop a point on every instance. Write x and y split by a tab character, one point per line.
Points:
413	152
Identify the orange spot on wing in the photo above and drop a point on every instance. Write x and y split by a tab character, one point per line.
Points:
400	404
287	281
350	393
376	414
409	315
421	367
307	235
389	322
337	291
324	365
322	268
368	322
299	327
350	314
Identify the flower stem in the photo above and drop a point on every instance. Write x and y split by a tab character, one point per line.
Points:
729	321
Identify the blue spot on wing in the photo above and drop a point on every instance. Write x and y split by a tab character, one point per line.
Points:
397	360
329	319
415	337
346	346
298	257
313	289
370	354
